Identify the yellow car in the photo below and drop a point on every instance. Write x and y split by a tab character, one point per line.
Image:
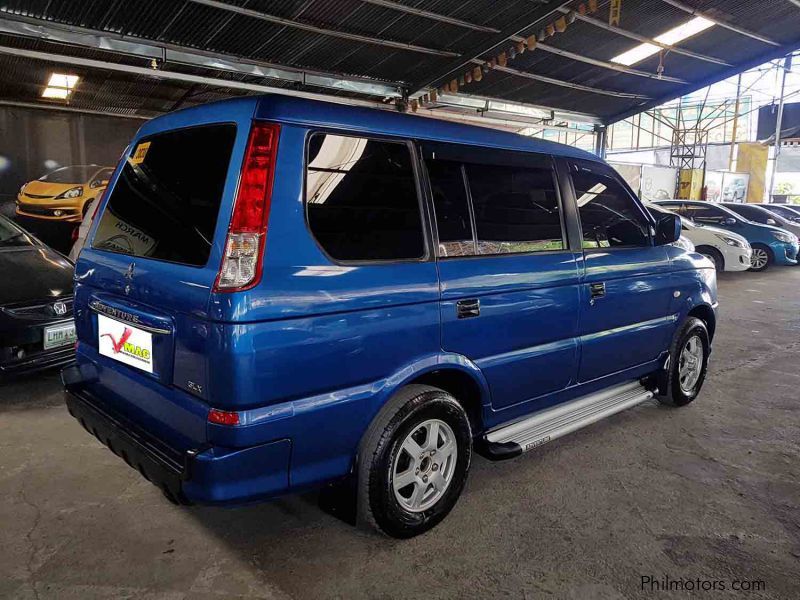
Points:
64	194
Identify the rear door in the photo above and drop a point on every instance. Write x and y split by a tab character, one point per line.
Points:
509	282
626	291
145	276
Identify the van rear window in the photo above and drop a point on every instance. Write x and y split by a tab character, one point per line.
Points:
166	201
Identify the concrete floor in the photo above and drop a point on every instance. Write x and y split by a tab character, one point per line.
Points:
709	491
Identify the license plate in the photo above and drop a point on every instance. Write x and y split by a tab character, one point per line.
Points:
56	336
125	343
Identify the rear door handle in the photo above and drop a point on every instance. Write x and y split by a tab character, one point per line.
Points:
596	290
468	308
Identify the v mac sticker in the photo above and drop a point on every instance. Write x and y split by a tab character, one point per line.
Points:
140	153
125	343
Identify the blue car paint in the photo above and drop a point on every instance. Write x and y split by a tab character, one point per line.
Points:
785	253
310	355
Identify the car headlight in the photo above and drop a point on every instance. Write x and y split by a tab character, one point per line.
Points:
784	236
75	192
684	243
730	241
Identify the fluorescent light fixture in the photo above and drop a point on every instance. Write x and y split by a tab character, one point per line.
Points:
62	81
57	93
60	86
670	38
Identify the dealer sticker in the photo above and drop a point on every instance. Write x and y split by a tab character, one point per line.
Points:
125	343
140	153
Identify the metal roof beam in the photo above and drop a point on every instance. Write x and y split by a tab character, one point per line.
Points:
567	84
100	40
698	13
353	37
607	65
646	40
535	14
183	77
431	15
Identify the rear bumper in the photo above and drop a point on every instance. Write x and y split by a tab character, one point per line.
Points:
40	361
203	475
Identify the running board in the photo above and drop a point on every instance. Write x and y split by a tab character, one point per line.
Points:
547	425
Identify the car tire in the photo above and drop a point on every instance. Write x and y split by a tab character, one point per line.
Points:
407	422
688	363
714	256
764	260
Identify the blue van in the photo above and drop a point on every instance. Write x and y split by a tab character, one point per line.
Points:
280	294
771	245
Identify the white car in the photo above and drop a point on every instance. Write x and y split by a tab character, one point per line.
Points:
727	250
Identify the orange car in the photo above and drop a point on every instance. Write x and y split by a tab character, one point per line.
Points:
63	194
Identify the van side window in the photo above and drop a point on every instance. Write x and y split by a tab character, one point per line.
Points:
516	209
361	198
450	202
609	215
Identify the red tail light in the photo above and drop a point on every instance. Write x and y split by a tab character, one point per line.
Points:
242	261
223	417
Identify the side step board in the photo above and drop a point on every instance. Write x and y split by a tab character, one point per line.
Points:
549	424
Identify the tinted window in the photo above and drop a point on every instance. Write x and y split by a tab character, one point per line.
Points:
609	215
703	213
73	174
753	213
516	209
167	197
452	208
785	212
361	199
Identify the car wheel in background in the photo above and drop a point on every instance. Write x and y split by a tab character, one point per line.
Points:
761	259
688	363
413	462
714	255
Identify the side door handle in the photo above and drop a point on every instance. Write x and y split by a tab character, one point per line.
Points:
596	290
468	308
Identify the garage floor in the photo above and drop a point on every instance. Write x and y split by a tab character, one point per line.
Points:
710	491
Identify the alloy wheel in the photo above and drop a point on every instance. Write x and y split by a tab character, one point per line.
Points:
424	466
690	364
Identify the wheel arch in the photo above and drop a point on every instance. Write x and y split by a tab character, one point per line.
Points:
707	315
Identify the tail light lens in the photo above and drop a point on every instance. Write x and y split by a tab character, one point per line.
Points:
223	417
244	246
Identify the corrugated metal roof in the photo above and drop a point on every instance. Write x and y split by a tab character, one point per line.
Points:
191	24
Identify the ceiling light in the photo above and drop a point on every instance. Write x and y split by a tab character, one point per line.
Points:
669	38
60	86
58	93
62	81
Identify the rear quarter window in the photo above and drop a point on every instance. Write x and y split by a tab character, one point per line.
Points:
166	201
361	199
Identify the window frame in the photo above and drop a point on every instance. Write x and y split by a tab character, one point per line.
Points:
606	171
424	216
463	157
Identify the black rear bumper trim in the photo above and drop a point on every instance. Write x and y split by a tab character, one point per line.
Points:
160	464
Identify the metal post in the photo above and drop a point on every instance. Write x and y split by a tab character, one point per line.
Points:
735	121
787	66
600	133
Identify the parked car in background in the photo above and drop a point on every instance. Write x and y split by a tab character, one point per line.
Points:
788	212
727	250
770	244
758	214
63	194
36	326
279	294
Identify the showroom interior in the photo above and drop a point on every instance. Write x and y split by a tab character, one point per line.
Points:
694	103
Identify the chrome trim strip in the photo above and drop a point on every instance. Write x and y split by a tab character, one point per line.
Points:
113	313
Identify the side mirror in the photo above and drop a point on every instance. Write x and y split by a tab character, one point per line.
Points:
771	222
668	229
729	221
